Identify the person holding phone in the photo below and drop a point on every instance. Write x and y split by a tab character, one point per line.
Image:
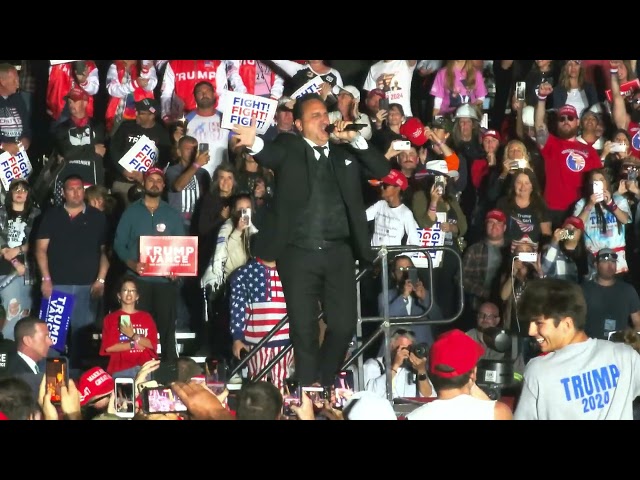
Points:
605	216
129	335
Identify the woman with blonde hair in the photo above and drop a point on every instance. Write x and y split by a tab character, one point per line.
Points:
515	156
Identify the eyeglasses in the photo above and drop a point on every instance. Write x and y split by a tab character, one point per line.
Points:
20	190
129	290
566	118
404	269
488	316
608	257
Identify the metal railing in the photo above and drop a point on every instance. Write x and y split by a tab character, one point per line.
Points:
387	322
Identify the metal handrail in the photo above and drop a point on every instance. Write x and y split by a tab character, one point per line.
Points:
275	330
387	321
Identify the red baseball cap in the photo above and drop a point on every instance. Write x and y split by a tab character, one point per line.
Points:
454	353
152	170
575	221
94	383
491	133
496	214
395	178
568	110
378	92
77	93
413	129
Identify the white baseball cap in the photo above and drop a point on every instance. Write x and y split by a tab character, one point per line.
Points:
355	93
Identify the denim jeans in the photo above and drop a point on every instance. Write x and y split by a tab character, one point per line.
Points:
83	317
127	373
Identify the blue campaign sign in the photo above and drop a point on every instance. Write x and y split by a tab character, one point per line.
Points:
56	311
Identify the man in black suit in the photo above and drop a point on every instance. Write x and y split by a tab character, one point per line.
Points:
317	228
32	345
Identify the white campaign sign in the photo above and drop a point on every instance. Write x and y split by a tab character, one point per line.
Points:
14	166
240	108
141	157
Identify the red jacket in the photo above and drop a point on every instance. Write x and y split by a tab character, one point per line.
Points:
61	81
139	93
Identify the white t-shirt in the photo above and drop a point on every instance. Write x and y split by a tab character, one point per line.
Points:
395	82
401	384
208	130
462	407
391	224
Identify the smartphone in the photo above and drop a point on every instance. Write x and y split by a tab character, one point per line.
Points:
383	104
632	174
441	183
293	398
521	88
161	400
125	398
518	164
401	145
598	189
484	123
125	321
529	257
147	384
57	372
618	148
413	275
79	67
245	215
343	389
316	394
203	147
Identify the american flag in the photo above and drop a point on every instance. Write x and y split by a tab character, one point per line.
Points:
257	304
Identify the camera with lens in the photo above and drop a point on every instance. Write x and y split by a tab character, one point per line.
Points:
420	350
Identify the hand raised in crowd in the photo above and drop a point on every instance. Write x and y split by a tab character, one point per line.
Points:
381	116
225	212
305	410
545	89
418	364
242	224
49	411
126	329
392	152
632	186
557	236
606	149
341	134
140	267
407	288
238	347
178	133
422	154
201	403
401	355
622	186
260	189
145	371
421	291
435	194
70	401
97	289
11	147
245	136
202	158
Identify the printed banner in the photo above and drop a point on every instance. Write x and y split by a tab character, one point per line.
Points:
56	311
169	255
312	86
58	62
141	157
239	108
430	237
14	166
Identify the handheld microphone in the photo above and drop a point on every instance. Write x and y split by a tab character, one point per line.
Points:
351	127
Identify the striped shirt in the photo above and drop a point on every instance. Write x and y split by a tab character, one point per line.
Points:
257	304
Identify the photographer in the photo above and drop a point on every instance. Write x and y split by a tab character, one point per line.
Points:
565	256
409	297
408	369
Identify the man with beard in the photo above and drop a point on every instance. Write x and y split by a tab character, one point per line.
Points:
611	302
566	160
204	125
151	216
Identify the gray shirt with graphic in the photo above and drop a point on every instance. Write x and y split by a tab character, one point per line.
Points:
591	380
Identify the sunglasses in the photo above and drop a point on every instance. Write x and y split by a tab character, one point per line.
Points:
635	101
20	190
608	258
567	118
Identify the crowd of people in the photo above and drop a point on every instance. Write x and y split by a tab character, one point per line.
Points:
525	170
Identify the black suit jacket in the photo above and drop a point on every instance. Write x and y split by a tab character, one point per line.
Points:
290	157
17	365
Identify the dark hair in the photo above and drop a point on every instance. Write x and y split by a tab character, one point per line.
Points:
553	298
298	106
26	327
28	205
17	399
259	401
449	383
187	368
223	167
598	208
203	82
537	203
73	176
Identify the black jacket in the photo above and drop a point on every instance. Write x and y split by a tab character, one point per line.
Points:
289	157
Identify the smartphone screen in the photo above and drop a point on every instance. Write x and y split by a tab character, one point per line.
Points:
293	398
203	147
413	275
125	320
57	373
520	90
343	389
124	397
162	400
384	104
